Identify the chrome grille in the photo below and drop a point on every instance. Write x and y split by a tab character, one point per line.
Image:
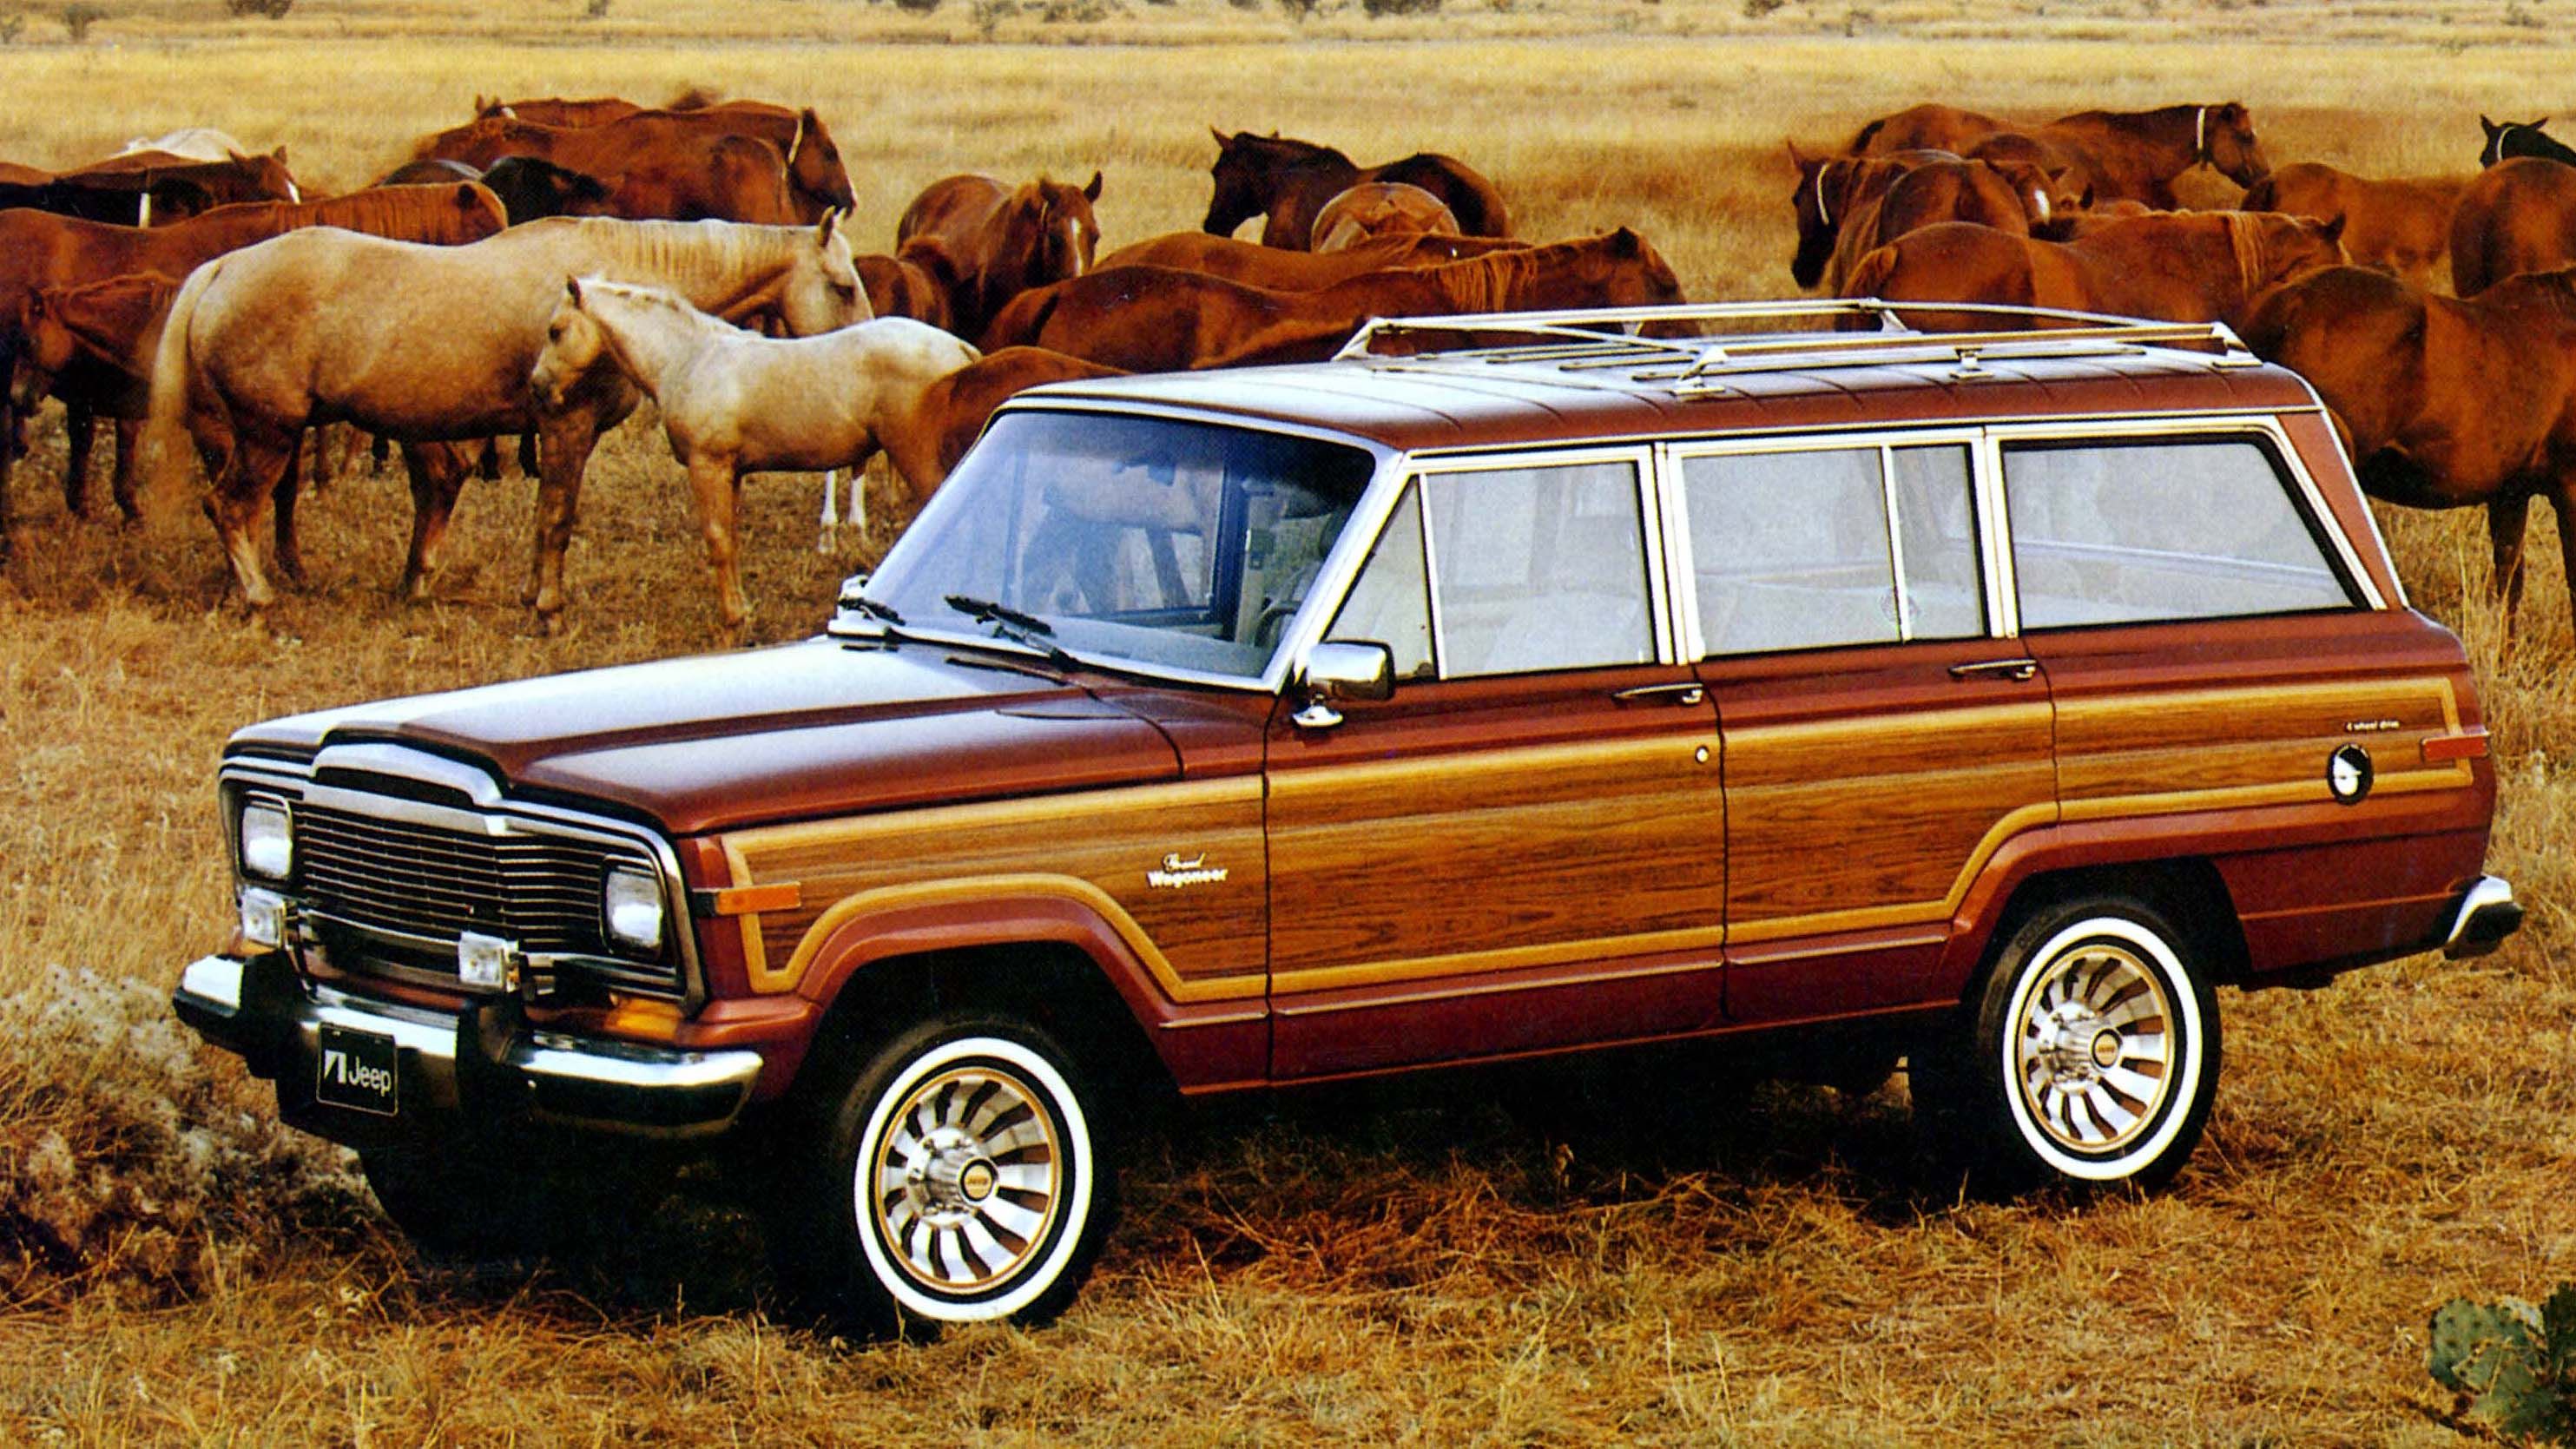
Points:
428	884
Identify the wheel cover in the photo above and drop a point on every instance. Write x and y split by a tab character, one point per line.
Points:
2094	1047
967	1179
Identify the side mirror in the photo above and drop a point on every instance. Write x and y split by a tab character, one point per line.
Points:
1343	670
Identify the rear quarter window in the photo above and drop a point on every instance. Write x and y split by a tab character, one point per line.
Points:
2134	531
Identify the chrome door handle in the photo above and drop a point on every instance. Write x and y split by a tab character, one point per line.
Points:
1681	694
2013	669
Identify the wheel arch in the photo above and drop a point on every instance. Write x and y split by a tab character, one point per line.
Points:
2187	889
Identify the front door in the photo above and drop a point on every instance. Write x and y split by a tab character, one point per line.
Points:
1524	847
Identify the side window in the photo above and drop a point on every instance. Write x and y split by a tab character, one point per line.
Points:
1390	603
1796	550
1538	568
2123	532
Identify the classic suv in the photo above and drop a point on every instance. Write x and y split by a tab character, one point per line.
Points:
1504	687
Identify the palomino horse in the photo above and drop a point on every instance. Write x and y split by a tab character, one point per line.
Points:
953	411
2444	403
1380	208
734	402
195	143
676	152
1144	319
2176	267
2519	215
2398	226
323	325
1287	271
983	243
1288	181
2508	139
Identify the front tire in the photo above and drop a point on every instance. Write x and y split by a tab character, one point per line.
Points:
957	1177
2091	1057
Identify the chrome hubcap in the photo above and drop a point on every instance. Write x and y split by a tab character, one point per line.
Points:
967	1179
2093	1055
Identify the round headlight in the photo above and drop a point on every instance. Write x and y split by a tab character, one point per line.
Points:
267	840
631	903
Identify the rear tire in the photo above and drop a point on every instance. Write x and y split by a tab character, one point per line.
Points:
2091	1056
957	1175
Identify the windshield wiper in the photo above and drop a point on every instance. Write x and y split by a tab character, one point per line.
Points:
1017	626
883	613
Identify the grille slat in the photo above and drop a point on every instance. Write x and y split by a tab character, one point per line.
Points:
420	880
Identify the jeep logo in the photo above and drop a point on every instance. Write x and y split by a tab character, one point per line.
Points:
344	1070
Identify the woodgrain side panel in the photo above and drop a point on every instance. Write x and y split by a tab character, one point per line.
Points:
1202	937
2143	744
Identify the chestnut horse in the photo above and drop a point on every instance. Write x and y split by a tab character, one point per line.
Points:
1288	181
1287	271
556	111
2175	267
983	243
2444	403
953	411
1842	213
735	402
2133	155
325	325
1379	208
677	150
1927	127
2519	215
1147	319
2399	226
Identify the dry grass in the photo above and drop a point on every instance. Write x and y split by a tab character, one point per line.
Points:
1709	1267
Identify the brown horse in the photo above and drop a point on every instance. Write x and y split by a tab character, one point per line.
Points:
2139	154
2519	215
1927	127
2444	403
1287	271
1380	208
556	111
2011	198
653	173
2399	226
1145	319
2179	267
1288	181
240	178
324	325
953	412
984	243
897	288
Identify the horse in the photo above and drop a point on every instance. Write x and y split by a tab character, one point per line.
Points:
127	200
2399	226
1287	271
196	143
234	178
666	158
528	187
2509	139
1927	127
1146	319
555	111
953	411
984	243
2175	267
326	325
1288	181
734	402
898	288
1829	189
2139	154
2518	215
2443	402
2011	197
1379	208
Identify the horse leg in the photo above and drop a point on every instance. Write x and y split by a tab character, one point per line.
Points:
290	554
2562	497
249	475
79	432
829	531
437	477
129	451
528	455
564	448
2506	513
487	465
718	489
379	453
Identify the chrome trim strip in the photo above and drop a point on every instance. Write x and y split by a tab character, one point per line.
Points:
377	758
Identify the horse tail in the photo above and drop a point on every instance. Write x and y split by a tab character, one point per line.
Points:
1871	274
166	440
2246	240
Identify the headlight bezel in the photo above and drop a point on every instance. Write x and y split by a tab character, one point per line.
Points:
628	895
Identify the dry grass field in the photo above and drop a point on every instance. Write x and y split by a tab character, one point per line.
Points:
1696	1265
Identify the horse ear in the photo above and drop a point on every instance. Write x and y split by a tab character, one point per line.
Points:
1626	243
572	289
1092	192
2332	231
278	155
1222	139
828	227
2489	127
1797	157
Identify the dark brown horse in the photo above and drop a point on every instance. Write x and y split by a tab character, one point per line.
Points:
2180	267
1380	208
2508	139
673	146
2519	215
1147	319
2444	403
2399	226
239	178
2011	198
1287	271
1288	181
983	243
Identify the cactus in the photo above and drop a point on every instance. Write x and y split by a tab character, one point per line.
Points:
2512	1365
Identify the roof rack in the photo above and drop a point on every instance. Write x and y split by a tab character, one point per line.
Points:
1606	338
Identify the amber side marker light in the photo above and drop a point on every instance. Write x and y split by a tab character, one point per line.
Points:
750	900
2442	749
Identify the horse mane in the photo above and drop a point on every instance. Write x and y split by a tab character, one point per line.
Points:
1487	283
1288	150
693	98
709	251
2247	240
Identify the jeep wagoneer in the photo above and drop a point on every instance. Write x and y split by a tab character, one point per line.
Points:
1503	687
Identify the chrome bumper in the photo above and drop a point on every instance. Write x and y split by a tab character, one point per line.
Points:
2488	913
484	1068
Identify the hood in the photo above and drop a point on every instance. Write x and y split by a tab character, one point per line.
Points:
803	730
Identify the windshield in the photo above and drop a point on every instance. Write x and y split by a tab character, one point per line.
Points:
1156	541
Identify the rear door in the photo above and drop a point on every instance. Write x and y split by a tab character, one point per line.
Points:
1883	732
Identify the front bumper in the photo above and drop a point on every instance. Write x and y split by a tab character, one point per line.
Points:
478	1070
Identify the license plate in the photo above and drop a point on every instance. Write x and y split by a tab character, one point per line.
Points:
357	1071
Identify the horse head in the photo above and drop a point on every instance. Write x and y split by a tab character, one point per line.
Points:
1819	218
1247	174
814	164
1631	272
1068	233
821	291
2274	249
2227	142
574	344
